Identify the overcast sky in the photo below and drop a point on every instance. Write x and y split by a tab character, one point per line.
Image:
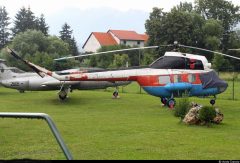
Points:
54	6
86	16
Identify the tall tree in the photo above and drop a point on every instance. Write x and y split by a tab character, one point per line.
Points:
4	31
24	20
213	32
223	11
186	7
33	45
41	25
66	32
154	26
74	47
178	25
209	25
66	36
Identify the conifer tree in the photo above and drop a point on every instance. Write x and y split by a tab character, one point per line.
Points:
66	36
24	20
41	25
4	31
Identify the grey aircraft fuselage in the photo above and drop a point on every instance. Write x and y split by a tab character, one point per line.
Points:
14	78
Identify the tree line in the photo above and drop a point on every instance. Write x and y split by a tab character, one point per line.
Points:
208	24
29	36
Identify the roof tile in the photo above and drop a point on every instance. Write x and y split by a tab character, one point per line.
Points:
127	35
105	39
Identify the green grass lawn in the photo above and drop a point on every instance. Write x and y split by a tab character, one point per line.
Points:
95	126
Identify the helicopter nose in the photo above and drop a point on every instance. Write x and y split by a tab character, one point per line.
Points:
222	86
5	84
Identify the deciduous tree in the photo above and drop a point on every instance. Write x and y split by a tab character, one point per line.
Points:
221	10
36	47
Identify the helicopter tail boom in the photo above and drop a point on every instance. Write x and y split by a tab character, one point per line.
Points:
39	70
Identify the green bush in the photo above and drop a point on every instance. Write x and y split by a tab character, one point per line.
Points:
182	108
207	114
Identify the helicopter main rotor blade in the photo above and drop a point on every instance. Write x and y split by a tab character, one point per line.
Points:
170	45
191	47
234	49
106	52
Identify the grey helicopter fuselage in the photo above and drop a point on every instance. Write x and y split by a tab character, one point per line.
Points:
11	77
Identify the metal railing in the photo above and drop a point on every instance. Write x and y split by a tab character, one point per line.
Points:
50	123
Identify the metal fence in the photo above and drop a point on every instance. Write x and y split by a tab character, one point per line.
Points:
233	90
50	123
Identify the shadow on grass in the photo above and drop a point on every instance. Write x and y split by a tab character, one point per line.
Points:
8	93
68	101
26	160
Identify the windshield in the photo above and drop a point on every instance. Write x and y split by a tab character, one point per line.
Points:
173	62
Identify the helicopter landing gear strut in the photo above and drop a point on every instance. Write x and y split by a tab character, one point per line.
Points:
62	94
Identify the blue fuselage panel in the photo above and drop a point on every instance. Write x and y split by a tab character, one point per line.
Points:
178	88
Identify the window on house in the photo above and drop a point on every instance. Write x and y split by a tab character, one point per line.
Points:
125	42
138	42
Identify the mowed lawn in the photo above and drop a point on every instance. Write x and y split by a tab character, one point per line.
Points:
95	126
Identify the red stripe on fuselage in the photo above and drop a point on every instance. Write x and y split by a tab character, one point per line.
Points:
49	73
83	78
154	80
148	80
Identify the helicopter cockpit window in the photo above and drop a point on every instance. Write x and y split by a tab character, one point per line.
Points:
173	62
169	62
164	79
195	64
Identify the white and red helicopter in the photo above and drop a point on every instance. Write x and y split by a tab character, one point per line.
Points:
170	76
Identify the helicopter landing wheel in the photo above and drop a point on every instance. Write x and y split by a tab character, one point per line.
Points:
164	100
21	91
62	95
212	102
171	103
115	94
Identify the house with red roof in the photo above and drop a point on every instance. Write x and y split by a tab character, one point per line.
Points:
97	40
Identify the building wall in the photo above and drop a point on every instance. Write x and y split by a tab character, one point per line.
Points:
115	38
132	43
128	42
92	44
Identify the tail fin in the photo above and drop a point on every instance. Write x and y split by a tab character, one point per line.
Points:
5	71
39	70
